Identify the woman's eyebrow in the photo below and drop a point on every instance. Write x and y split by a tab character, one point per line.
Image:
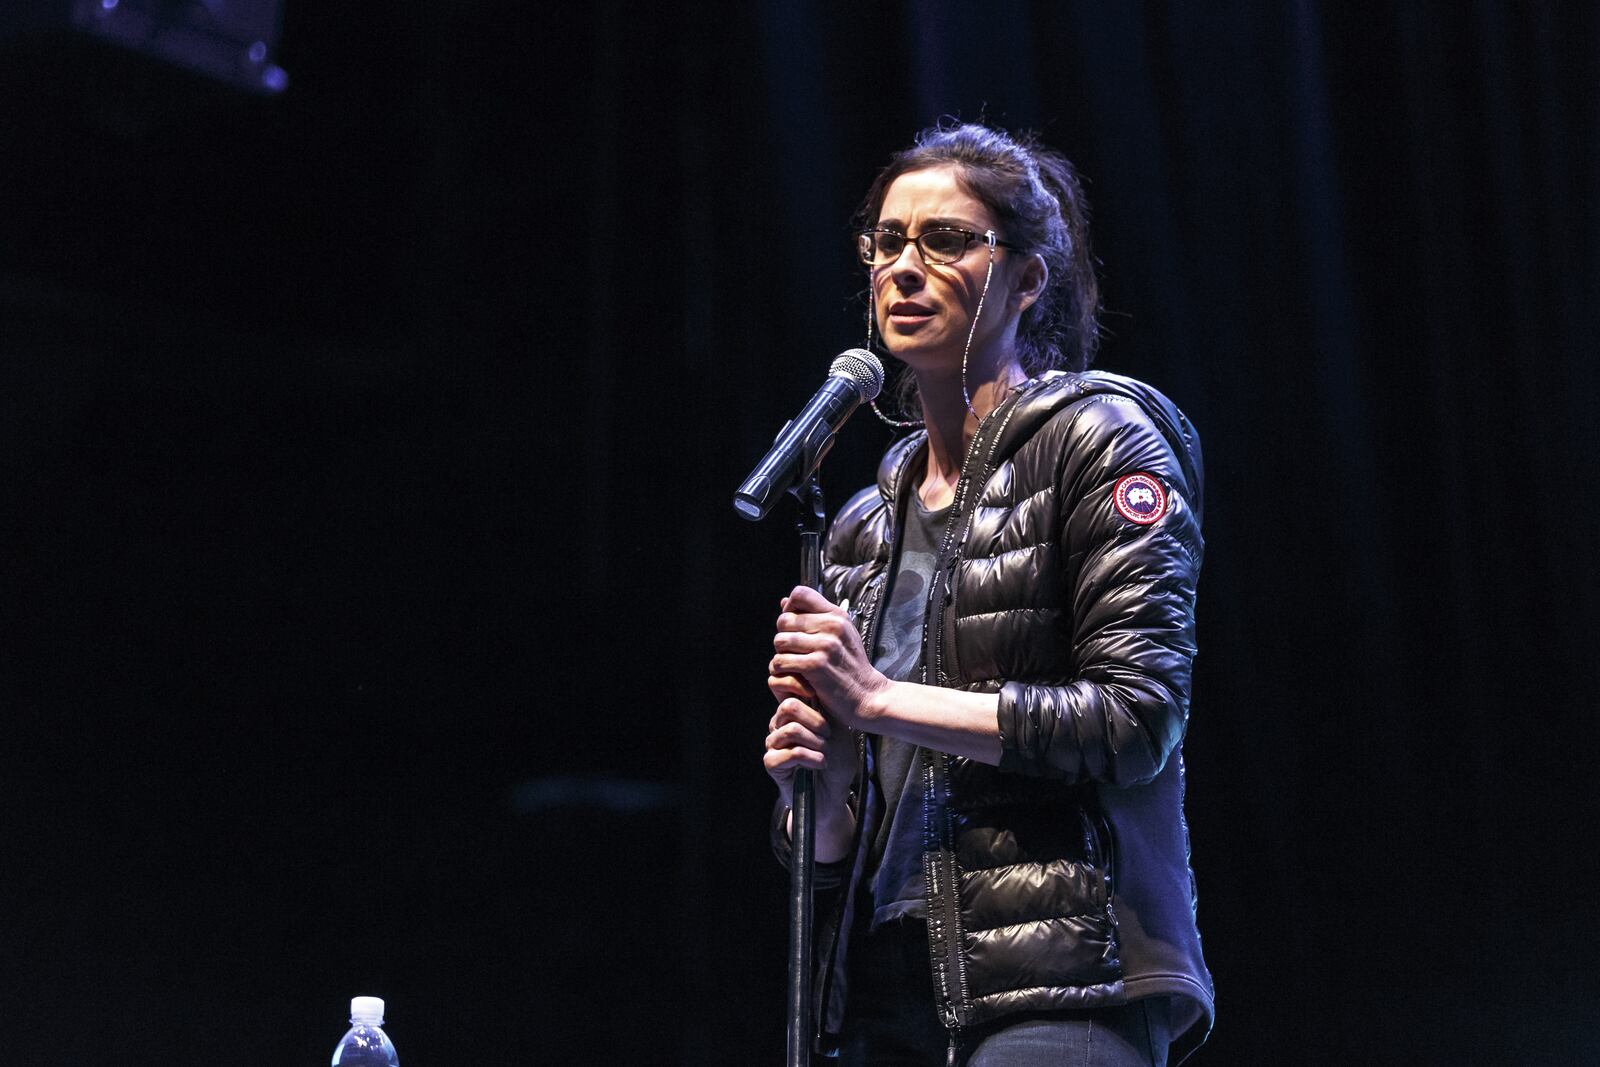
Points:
935	223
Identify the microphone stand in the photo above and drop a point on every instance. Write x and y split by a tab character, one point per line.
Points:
803	821
803	450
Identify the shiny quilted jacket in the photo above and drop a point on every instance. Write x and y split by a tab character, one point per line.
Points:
1079	611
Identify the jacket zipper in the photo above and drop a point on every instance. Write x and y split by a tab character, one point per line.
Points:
941	926
948	931
941	588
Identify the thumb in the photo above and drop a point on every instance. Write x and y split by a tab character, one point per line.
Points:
803	598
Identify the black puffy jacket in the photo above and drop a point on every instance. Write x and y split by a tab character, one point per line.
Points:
1079	612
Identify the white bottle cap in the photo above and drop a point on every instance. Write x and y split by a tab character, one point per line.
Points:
367	1010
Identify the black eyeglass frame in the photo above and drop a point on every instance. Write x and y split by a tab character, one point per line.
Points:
864	236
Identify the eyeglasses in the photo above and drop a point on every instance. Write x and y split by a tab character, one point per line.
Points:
880	247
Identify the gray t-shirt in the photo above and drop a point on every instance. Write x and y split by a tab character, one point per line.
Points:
894	866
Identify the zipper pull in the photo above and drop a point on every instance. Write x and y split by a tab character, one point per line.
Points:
950	1057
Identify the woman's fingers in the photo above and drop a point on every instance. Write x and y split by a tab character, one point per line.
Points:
803	641
785	761
812	623
797	663
794	735
783	686
797	737
804	599
801	714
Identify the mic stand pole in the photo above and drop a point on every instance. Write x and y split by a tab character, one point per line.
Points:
803	816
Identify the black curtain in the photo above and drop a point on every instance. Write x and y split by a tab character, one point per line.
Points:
376	620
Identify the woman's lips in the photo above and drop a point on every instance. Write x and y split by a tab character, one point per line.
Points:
908	312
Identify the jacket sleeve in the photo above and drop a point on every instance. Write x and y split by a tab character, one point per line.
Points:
1130	595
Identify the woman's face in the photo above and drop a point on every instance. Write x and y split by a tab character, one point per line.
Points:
925	309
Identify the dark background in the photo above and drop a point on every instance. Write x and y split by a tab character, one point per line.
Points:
376	620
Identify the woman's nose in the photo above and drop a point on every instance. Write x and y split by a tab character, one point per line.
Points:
907	268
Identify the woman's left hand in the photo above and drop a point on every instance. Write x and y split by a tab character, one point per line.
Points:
817	641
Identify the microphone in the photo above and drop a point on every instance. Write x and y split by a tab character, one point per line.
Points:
855	376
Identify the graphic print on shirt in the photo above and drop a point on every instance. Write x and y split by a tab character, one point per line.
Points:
895	856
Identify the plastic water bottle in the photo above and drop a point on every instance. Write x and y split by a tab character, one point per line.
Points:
366	1045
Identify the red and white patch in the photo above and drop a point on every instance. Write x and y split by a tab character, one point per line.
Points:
1139	498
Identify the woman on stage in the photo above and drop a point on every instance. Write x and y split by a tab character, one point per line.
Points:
993	685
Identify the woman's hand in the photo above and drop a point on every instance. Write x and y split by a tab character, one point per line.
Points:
820	661
799	736
817	642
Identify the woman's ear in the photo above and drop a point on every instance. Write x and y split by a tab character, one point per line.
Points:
1031	280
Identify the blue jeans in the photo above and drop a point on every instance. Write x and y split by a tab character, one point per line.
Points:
890	1020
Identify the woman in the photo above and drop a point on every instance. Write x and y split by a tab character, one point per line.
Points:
993	684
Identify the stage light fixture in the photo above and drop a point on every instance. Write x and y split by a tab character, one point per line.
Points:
229	40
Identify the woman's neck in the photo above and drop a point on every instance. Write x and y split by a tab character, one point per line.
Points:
951	425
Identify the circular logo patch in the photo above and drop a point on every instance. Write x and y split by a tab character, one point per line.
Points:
1140	498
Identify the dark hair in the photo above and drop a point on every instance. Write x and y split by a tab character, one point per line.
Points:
1037	202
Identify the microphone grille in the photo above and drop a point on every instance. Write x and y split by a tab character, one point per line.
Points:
861	367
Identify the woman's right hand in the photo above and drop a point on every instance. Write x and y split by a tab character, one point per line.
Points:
799	736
